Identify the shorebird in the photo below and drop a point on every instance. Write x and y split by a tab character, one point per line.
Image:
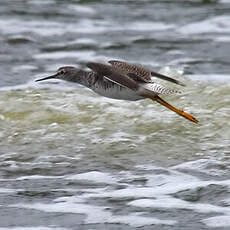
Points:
121	80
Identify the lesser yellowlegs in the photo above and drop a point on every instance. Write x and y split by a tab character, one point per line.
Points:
121	80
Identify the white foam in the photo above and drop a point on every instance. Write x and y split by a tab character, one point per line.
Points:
33	228
18	87
51	28
158	185
156	192
183	61
94	176
7	190
69	199
82	9
167	182
219	78
91	211
217	221
135	220
95	214
31	85
38	177
167	202
147	26
88	26
222	39
172	71
83	55
219	24
96	26
224	1
41	2
82	41
118	137
204	166
12	26
18	68
226	201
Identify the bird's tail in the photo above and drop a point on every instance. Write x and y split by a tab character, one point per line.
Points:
174	109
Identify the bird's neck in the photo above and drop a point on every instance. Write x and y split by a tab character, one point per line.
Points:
82	77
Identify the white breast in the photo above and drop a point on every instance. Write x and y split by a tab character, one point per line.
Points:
117	92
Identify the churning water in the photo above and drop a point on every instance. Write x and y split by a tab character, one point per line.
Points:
70	159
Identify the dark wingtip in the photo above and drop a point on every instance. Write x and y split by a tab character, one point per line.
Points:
164	77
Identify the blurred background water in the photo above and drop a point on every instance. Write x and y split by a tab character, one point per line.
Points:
70	159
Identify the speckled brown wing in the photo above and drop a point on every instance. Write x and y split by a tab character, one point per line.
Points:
142	73
134	71
113	75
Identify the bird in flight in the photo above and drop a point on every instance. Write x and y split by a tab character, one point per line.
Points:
121	80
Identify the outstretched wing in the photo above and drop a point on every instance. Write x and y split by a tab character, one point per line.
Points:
115	76
127	80
141	72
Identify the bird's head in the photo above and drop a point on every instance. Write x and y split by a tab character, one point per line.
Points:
63	73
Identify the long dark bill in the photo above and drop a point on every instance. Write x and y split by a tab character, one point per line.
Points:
46	78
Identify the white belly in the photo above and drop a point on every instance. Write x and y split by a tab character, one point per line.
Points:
118	92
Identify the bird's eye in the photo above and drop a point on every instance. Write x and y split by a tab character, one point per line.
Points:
62	71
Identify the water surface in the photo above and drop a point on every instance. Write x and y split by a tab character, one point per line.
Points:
70	159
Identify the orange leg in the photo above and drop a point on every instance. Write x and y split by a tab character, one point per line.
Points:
179	112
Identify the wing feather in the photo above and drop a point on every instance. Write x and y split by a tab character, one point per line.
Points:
113	75
159	89
141	72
